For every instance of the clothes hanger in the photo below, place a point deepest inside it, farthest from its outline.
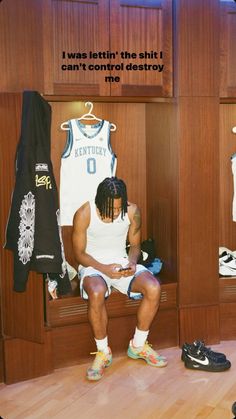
(89, 116)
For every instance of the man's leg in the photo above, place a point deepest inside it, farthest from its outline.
(96, 288)
(148, 285)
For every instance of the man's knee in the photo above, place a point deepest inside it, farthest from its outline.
(96, 289)
(152, 289)
(97, 294)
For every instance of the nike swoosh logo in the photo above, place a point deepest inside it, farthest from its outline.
(200, 361)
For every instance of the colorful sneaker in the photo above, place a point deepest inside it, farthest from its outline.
(102, 361)
(148, 354)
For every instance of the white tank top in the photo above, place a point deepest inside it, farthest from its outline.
(106, 241)
(86, 161)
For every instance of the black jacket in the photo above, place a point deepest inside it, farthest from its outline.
(32, 230)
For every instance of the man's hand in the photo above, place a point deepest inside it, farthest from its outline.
(132, 269)
(117, 271)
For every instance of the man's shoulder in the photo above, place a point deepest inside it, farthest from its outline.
(84, 208)
(83, 213)
(132, 209)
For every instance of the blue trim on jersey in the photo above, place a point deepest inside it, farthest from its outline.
(109, 140)
(69, 143)
(82, 128)
(113, 164)
(111, 151)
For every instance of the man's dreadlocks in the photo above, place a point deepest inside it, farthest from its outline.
(108, 190)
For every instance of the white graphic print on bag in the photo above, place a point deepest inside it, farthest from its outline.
(26, 228)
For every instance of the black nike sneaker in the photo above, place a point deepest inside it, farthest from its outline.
(198, 347)
(205, 363)
(198, 356)
(234, 409)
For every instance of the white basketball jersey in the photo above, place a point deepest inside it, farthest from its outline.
(233, 161)
(86, 161)
(106, 242)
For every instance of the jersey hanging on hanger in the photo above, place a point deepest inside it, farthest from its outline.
(87, 160)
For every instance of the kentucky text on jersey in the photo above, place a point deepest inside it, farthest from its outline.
(90, 150)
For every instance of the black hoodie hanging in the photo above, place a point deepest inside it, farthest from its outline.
(32, 230)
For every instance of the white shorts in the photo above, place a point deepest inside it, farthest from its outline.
(123, 284)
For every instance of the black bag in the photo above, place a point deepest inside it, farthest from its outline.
(147, 246)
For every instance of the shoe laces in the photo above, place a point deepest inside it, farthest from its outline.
(148, 348)
(200, 346)
(100, 358)
(204, 349)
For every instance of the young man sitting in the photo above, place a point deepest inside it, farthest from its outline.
(100, 231)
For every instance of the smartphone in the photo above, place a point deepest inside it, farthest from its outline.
(124, 269)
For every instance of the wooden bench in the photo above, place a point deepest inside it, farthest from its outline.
(71, 332)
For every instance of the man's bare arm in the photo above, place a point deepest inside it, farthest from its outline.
(134, 234)
(79, 236)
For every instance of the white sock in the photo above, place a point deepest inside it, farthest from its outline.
(140, 337)
(102, 345)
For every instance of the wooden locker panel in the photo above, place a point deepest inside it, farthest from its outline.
(227, 236)
(21, 52)
(228, 321)
(1, 361)
(130, 147)
(74, 310)
(1, 344)
(162, 166)
(198, 197)
(140, 26)
(25, 360)
(197, 48)
(75, 26)
(227, 290)
(227, 50)
(74, 343)
(199, 323)
(22, 313)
